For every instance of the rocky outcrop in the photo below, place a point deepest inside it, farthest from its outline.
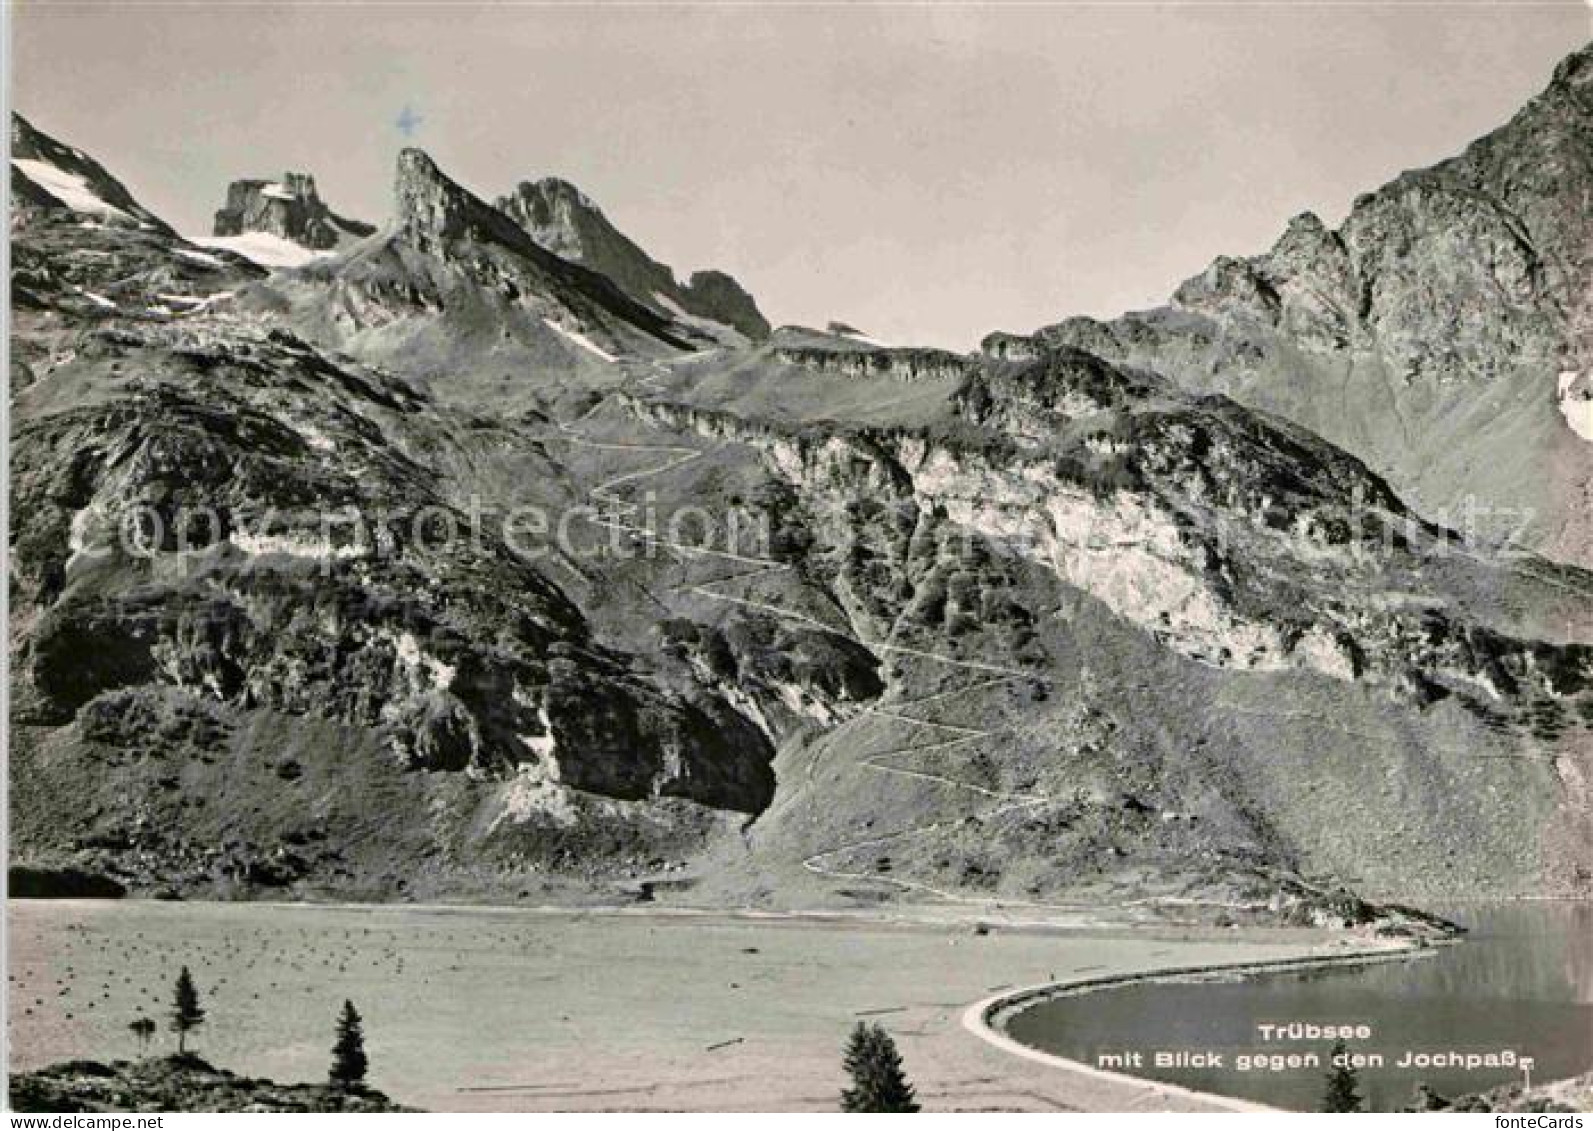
(432, 211)
(562, 219)
(1004, 346)
(289, 208)
(718, 297)
(782, 677)
(1574, 1094)
(177, 1083)
(895, 364)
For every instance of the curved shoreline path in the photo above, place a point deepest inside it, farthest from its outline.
(985, 1018)
(615, 512)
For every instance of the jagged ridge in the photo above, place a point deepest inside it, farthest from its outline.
(561, 218)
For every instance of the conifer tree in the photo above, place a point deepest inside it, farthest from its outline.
(186, 1015)
(348, 1052)
(878, 1083)
(1341, 1095)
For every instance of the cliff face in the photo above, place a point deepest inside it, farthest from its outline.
(898, 364)
(289, 208)
(1197, 520)
(1428, 334)
(562, 219)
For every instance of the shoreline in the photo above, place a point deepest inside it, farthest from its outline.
(987, 1018)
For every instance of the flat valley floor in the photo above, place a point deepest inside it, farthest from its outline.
(479, 1009)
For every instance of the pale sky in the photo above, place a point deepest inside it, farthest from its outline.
(927, 173)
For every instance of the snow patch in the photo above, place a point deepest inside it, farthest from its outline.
(859, 336)
(800, 703)
(264, 248)
(718, 331)
(580, 339)
(69, 188)
(291, 545)
(193, 304)
(1576, 401)
(670, 305)
(199, 257)
(276, 191)
(98, 300)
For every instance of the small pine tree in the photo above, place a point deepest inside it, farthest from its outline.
(1341, 1095)
(144, 1029)
(348, 1053)
(874, 1065)
(185, 1014)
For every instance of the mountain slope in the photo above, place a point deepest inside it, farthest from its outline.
(562, 219)
(95, 252)
(48, 175)
(1114, 667)
(262, 636)
(1439, 333)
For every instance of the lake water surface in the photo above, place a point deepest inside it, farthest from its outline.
(1522, 982)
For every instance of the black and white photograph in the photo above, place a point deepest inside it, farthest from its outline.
(798, 557)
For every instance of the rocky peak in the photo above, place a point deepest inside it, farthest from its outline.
(25, 140)
(718, 296)
(48, 175)
(448, 251)
(564, 220)
(1574, 75)
(429, 206)
(561, 218)
(290, 208)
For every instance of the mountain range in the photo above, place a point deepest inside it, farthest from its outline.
(1264, 604)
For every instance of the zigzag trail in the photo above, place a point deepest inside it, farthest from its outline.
(615, 513)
